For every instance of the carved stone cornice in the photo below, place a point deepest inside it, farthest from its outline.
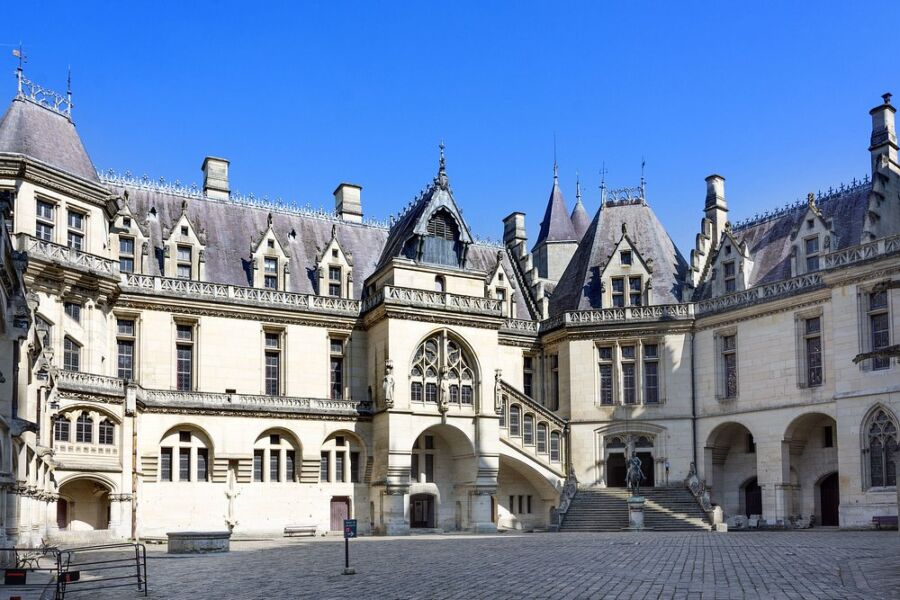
(171, 410)
(120, 497)
(19, 166)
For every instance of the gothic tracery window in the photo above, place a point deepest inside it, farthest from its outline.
(882, 438)
(436, 355)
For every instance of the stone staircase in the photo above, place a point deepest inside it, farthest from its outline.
(605, 509)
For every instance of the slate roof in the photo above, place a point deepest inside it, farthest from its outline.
(580, 219)
(769, 239)
(30, 129)
(556, 226)
(579, 286)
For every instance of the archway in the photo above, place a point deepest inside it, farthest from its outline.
(812, 452)
(730, 466)
(751, 496)
(85, 505)
(421, 511)
(829, 496)
(616, 453)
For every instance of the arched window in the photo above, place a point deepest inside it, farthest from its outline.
(882, 437)
(61, 429)
(439, 284)
(542, 438)
(515, 416)
(106, 432)
(528, 430)
(84, 429)
(184, 455)
(443, 225)
(437, 355)
(342, 459)
(554, 446)
(275, 457)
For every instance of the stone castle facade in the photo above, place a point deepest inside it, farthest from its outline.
(182, 358)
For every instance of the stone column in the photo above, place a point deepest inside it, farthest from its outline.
(480, 509)
(773, 468)
(120, 515)
(52, 507)
(393, 510)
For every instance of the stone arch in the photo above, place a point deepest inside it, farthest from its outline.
(347, 461)
(277, 456)
(627, 432)
(82, 406)
(879, 440)
(810, 451)
(207, 438)
(729, 463)
(83, 503)
(200, 449)
(517, 478)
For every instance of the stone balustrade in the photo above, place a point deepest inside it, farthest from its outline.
(444, 301)
(252, 403)
(91, 383)
(68, 257)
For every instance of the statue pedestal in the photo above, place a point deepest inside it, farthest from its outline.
(636, 513)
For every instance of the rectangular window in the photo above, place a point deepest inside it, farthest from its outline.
(729, 366)
(71, 355)
(44, 225)
(258, 456)
(542, 439)
(105, 432)
(165, 464)
(528, 430)
(514, 425)
(634, 291)
(625, 257)
(270, 276)
(339, 466)
(812, 339)
(606, 376)
(324, 467)
(629, 395)
(354, 467)
(528, 503)
(45, 210)
(290, 459)
(44, 231)
(334, 281)
(337, 369)
(528, 375)
(184, 349)
(467, 397)
(415, 391)
(61, 429)
(429, 468)
(500, 294)
(651, 374)
(827, 437)
(202, 464)
(811, 246)
(84, 429)
(126, 254)
(125, 348)
(184, 268)
(272, 363)
(431, 393)
(274, 465)
(618, 292)
(73, 310)
(184, 464)
(554, 447)
(414, 468)
(879, 327)
(75, 237)
(730, 277)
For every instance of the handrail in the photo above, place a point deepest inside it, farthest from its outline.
(533, 405)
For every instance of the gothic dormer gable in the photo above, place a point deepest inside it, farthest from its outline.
(498, 285)
(184, 247)
(731, 265)
(626, 277)
(335, 269)
(812, 237)
(269, 260)
(129, 239)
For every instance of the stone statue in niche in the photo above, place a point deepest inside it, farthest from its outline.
(444, 400)
(498, 396)
(387, 384)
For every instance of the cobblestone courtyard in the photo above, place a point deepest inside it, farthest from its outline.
(812, 564)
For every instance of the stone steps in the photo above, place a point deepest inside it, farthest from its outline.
(605, 509)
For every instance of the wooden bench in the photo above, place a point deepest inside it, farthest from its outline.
(885, 520)
(292, 530)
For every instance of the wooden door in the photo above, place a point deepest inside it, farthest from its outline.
(830, 500)
(753, 498)
(340, 510)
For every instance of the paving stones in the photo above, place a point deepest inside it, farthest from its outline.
(690, 565)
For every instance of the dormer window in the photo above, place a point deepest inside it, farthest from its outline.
(618, 292)
(811, 246)
(270, 277)
(184, 230)
(184, 266)
(500, 276)
(810, 223)
(634, 291)
(500, 294)
(126, 221)
(126, 254)
(625, 257)
(334, 281)
(334, 253)
(729, 276)
(443, 226)
(271, 244)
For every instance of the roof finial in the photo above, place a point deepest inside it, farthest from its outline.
(442, 168)
(603, 184)
(811, 200)
(20, 54)
(69, 86)
(886, 97)
(577, 187)
(643, 181)
(555, 166)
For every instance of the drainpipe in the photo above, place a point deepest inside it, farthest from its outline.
(694, 405)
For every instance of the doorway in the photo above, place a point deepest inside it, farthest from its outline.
(615, 470)
(752, 498)
(421, 511)
(340, 510)
(830, 500)
(647, 469)
(62, 513)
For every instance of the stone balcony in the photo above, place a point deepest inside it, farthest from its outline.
(425, 299)
(218, 292)
(166, 400)
(628, 314)
(89, 383)
(70, 258)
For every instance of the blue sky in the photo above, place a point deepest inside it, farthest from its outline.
(774, 96)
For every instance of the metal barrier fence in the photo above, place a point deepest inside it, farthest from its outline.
(103, 567)
(28, 571)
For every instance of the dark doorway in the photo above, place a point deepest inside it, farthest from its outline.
(62, 513)
(340, 510)
(752, 498)
(615, 470)
(647, 469)
(421, 511)
(830, 500)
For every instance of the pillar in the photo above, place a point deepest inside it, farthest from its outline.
(393, 510)
(480, 509)
(773, 473)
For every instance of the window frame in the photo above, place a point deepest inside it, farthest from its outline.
(189, 345)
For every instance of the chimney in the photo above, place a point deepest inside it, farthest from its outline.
(215, 178)
(716, 207)
(347, 202)
(884, 136)
(514, 229)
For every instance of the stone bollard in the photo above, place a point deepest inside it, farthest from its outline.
(636, 513)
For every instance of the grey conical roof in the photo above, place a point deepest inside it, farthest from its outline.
(579, 286)
(556, 226)
(580, 219)
(42, 134)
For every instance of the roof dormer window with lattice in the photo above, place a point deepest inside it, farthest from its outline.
(626, 276)
(184, 248)
(335, 269)
(731, 266)
(270, 262)
(812, 238)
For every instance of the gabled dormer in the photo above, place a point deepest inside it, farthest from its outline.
(129, 239)
(269, 261)
(812, 238)
(731, 265)
(626, 276)
(335, 269)
(499, 287)
(183, 249)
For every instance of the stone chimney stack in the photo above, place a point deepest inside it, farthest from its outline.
(716, 207)
(215, 178)
(347, 202)
(514, 229)
(884, 135)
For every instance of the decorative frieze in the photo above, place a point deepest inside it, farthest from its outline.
(249, 403)
(90, 383)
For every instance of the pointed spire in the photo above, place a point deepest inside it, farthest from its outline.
(603, 184)
(557, 225)
(555, 164)
(442, 179)
(580, 219)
